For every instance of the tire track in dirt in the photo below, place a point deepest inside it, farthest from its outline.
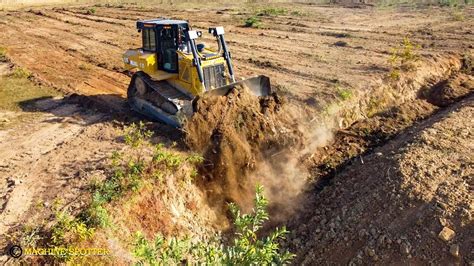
(23, 154)
(106, 82)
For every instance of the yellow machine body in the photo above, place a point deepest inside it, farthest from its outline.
(186, 79)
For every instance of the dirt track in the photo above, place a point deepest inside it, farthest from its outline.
(47, 156)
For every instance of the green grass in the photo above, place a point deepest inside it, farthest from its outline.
(344, 94)
(3, 54)
(457, 15)
(91, 11)
(274, 11)
(17, 88)
(19, 72)
(252, 22)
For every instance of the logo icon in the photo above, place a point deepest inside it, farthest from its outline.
(15, 251)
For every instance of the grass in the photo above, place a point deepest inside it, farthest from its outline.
(69, 229)
(443, 3)
(91, 11)
(344, 94)
(457, 15)
(403, 57)
(84, 67)
(253, 22)
(19, 72)
(336, 34)
(3, 54)
(298, 13)
(17, 88)
(273, 11)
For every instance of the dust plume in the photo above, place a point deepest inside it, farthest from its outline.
(247, 140)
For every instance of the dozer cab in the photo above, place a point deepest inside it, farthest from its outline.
(170, 71)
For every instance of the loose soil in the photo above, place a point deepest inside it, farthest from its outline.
(236, 133)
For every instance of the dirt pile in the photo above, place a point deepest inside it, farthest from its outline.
(448, 91)
(238, 135)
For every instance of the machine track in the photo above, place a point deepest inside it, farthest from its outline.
(158, 99)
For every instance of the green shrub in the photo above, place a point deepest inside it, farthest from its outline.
(90, 11)
(135, 135)
(457, 16)
(69, 229)
(3, 54)
(252, 22)
(450, 3)
(246, 249)
(169, 158)
(344, 94)
(297, 13)
(19, 72)
(272, 12)
(403, 57)
(394, 74)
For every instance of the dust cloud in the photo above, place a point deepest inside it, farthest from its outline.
(247, 140)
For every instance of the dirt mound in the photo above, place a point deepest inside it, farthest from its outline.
(448, 91)
(236, 133)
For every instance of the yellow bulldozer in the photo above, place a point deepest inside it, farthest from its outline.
(170, 71)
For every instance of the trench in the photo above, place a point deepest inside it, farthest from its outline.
(359, 140)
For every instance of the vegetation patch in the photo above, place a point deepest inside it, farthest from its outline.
(336, 34)
(19, 72)
(245, 249)
(403, 57)
(91, 11)
(17, 88)
(253, 22)
(274, 11)
(3, 54)
(344, 93)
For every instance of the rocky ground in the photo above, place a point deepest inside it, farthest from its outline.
(409, 201)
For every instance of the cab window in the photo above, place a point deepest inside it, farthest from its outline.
(148, 36)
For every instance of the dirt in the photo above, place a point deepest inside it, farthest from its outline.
(361, 167)
(235, 133)
(390, 205)
(448, 91)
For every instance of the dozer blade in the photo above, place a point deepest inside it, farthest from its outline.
(259, 86)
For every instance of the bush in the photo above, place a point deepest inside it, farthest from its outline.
(272, 12)
(3, 54)
(246, 249)
(20, 73)
(402, 57)
(90, 11)
(135, 135)
(252, 22)
(344, 94)
(69, 229)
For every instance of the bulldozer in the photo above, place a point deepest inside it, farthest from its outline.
(171, 71)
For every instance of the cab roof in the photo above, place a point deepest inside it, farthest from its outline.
(159, 21)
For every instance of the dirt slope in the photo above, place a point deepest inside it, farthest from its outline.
(390, 206)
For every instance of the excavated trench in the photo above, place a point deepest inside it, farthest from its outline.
(354, 142)
(247, 140)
